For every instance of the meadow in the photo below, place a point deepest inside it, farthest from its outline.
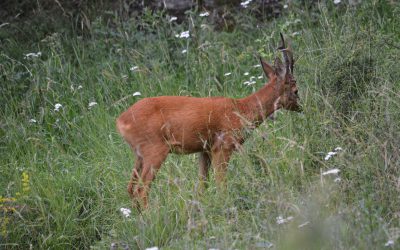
(328, 178)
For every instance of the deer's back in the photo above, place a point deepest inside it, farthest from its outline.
(187, 124)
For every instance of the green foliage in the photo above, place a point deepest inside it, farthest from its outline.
(70, 167)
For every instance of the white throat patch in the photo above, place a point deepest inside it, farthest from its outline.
(276, 107)
(276, 103)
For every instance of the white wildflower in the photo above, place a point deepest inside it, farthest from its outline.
(296, 33)
(336, 1)
(184, 34)
(264, 244)
(285, 6)
(228, 74)
(249, 83)
(133, 68)
(281, 220)
(246, 73)
(338, 149)
(79, 87)
(389, 243)
(137, 93)
(125, 211)
(206, 13)
(337, 179)
(260, 77)
(331, 171)
(57, 107)
(32, 120)
(152, 248)
(303, 224)
(329, 155)
(4, 24)
(245, 3)
(173, 18)
(184, 51)
(30, 55)
(92, 104)
(335, 152)
(256, 66)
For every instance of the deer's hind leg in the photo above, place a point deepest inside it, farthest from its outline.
(153, 156)
(134, 180)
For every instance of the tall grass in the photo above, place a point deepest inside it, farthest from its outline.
(78, 166)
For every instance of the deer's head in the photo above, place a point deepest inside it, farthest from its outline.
(282, 75)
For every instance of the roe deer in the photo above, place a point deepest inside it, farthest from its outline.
(212, 126)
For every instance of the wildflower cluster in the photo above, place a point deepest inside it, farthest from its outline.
(332, 153)
(25, 183)
(184, 34)
(57, 107)
(152, 248)
(251, 81)
(245, 3)
(203, 14)
(126, 212)
(8, 205)
(92, 104)
(281, 220)
(32, 55)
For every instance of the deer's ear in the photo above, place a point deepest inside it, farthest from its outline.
(280, 69)
(268, 70)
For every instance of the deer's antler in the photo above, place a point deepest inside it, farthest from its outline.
(287, 55)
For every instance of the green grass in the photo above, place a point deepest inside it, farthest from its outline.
(78, 166)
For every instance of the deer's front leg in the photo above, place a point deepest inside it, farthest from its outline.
(204, 162)
(220, 160)
(224, 145)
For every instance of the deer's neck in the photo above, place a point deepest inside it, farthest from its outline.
(261, 104)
